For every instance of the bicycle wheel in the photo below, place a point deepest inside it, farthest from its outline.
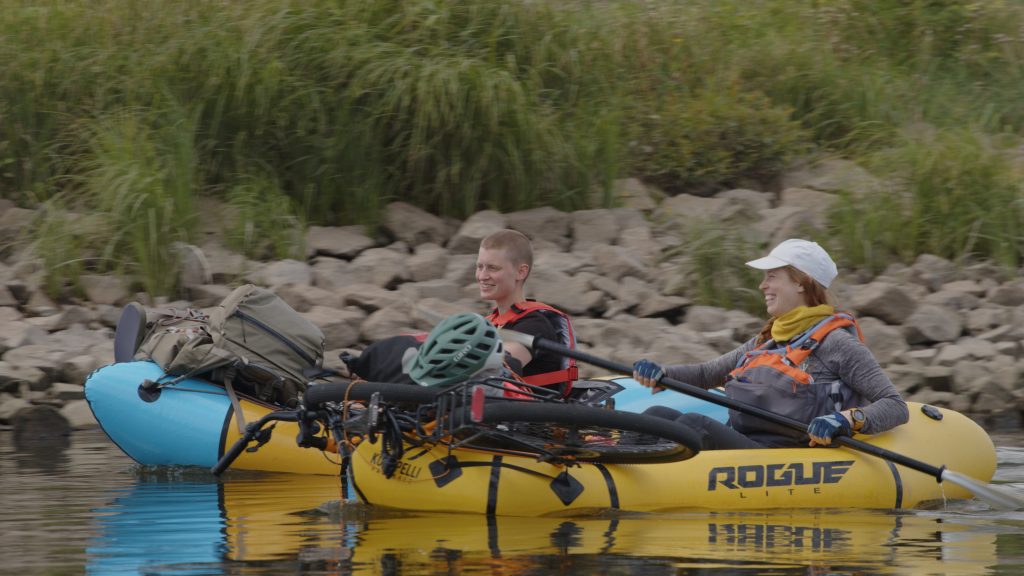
(587, 433)
(319, 394)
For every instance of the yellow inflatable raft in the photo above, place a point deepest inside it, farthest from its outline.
(460, 480)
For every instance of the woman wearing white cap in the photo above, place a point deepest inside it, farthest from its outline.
(808, 363)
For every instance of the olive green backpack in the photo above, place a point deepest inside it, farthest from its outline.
(253, 341)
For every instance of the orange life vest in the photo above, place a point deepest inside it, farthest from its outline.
(563, 327)
(774, 377)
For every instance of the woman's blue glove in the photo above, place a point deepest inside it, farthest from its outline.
(824, 428)
(648, 373)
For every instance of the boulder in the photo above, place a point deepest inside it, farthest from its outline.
(930, 323)
(413, 225)
(544, 224)
(474, 229)
(338, 242)
(887, 302)
(428, 262)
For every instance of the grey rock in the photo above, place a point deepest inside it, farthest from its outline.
(194, 267)
(671, 307)
(387, 322)
(79, 415)
(78, 368)
(369, 297)
(591, 228)
(40, 427)
(461, 269)
(281, 273)
(618, 262)
(750, 203)
(338, 242)
(953, 299)
(413, 225)
(210, 295)
(544, 224)
(64, 391)
(930, 323)
(885, 342)
(887, 302)
(816, 202)
(340, 326)
(226, 266)
(428, 262)
(907, 379)
(938, 377)
(700, 209)
(780, 223)
(68, 316)
(20, 333)
(833, 175)
(933, 271)
(1008, 294)
(987, 318)
(440, 288)
(379, 266)
(104, 289)
(474, 229)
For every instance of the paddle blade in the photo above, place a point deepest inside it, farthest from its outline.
(996, 497)
(131, 328)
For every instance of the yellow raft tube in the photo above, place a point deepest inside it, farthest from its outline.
(462, 480)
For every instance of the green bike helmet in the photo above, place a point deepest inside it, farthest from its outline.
(458, 348)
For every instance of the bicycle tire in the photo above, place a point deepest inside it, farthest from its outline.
(595, 434)
(590, 434)
(319, 394)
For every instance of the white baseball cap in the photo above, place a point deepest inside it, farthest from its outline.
(804, 255)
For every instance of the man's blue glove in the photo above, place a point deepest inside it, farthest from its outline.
(824, 428)
(648, 373)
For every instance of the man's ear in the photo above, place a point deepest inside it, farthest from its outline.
(522, 272)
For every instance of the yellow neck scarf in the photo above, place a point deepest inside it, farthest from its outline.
(798, 320)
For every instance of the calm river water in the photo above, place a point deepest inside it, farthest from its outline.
(90, 510)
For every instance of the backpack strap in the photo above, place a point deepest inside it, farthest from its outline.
(796, 351)
(229, 378)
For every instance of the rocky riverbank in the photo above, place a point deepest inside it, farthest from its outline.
(946, 334)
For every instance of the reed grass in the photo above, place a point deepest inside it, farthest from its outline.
(346, 105)
(955, 194)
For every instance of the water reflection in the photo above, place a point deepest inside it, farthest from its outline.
(170, 525)
(284, 522)
(90, 510)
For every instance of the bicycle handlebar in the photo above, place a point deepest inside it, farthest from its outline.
(251, 430)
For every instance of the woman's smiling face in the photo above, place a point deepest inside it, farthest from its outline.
(781, 292)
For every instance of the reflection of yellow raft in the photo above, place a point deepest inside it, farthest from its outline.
(472, 481)
(260, 513)
(847, 541)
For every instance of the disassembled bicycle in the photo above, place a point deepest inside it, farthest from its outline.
(479, 414)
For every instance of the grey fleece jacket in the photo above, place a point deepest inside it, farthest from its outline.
(839, 356)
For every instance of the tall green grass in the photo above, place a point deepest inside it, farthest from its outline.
(955, 194)
(345, 105)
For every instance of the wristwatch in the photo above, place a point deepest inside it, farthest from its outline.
(857, 415)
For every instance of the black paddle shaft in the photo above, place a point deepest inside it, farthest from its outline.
(698, 392)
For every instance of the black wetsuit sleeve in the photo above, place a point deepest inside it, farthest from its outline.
(535, 324)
